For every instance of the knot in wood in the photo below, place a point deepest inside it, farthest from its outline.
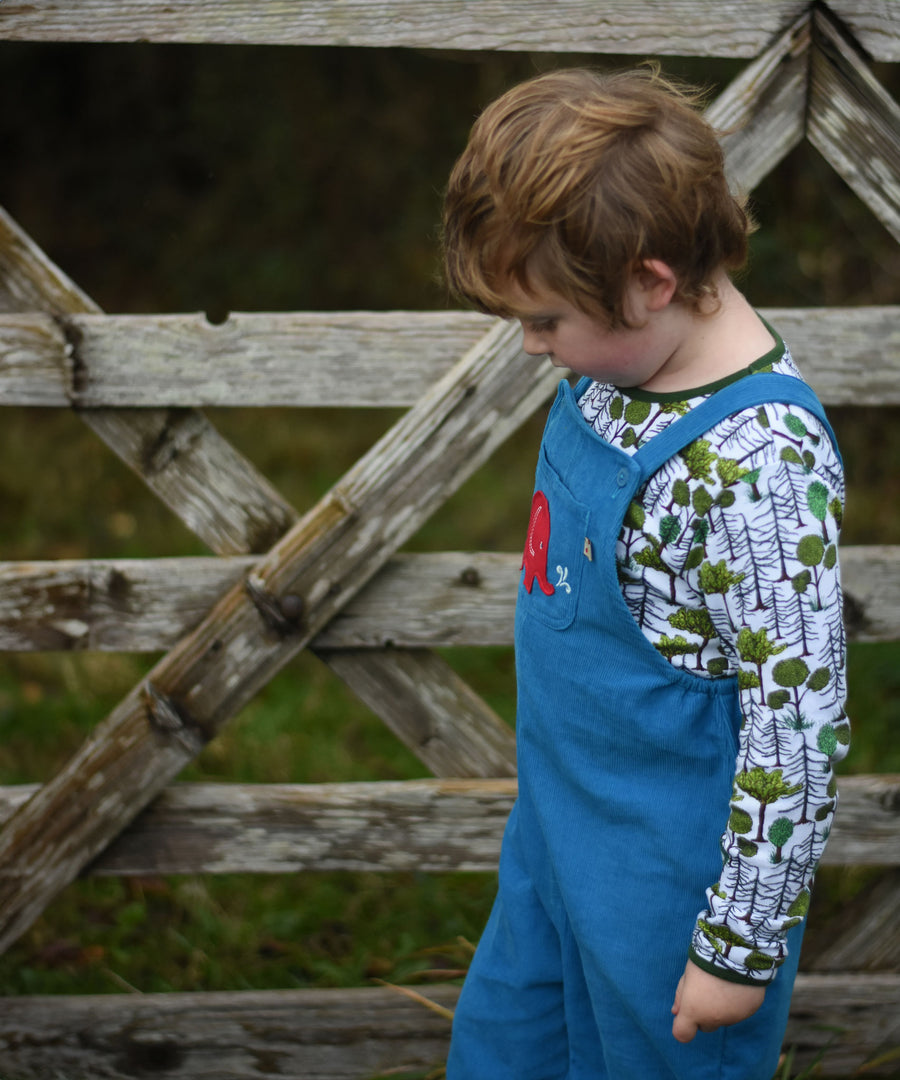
(855, 618)
(470, 576)
(152, 1051)
(890, 800)
(284, 614)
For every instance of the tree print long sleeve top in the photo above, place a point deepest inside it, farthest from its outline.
(728, 562)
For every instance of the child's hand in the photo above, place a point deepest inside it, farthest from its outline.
(706, 1002)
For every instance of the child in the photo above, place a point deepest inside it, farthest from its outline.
(679, 641)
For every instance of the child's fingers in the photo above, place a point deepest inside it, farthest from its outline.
(683, 1028)
(676, 1005)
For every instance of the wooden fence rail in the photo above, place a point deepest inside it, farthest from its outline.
(417, 601)
(431, 825)
(347, 1034)
(332, 580)
(733, 28)
(372, 359)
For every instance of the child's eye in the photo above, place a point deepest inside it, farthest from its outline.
(542, 326)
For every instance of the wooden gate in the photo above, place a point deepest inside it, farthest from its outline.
(331, 580)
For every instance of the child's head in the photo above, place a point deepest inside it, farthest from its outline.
(572, 179)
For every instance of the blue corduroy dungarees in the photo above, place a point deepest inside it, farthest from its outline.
(626, 766)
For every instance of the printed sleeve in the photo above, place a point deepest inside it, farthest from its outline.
(770, 579)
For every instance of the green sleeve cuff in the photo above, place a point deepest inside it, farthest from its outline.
(726, 974)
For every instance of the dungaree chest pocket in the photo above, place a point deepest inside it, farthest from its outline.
(556, 550)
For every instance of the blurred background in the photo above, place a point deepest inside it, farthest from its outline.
(226, 178)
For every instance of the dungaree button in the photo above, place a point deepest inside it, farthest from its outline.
(622, 477)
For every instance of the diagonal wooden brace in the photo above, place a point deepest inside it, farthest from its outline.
(221, 497)
(853, 121)
(761, 114)
(324, 559)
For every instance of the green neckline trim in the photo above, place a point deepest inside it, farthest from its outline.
(765, 361)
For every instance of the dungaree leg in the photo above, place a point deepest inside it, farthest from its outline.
(510, 1021)
(586, 1051)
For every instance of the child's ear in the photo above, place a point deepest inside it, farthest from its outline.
(657, 283)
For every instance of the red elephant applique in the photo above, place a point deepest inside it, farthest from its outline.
(536, 543)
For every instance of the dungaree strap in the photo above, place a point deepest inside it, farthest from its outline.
(737, 396)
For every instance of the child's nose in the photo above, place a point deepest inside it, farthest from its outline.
(533, 343)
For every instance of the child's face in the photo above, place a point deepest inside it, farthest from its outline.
(585, 344)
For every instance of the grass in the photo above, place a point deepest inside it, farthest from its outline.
(237, 932)
(234, 931)
(73, 499)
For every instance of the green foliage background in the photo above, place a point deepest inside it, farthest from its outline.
(182, 178)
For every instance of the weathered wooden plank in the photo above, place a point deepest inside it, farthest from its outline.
(433, 825)
(850, 355)
(735, 28)
(854, 122)
(33, 369)
(871, 585)
(430, 825)
(147, 605)
(425, 703)
(260, 624)
(854, 1019)
(866, 828)
(301, 1034)
(117, 605)
(762, 113)
(417, 601)
(434, 599)
(352, 358)
(875, 25)
(348, 1034)
(180, 455)
(865, 935)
